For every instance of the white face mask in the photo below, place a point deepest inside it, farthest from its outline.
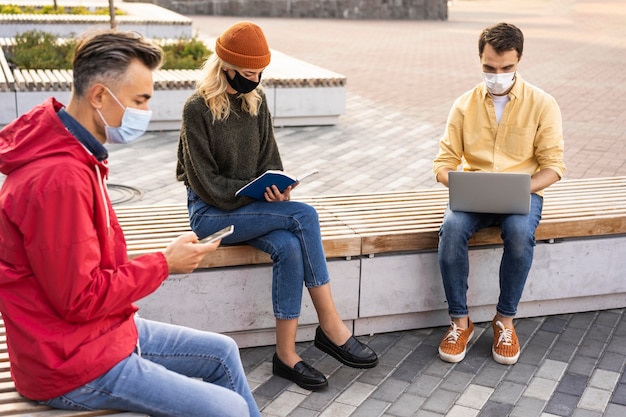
(134, 124)
(498, 83)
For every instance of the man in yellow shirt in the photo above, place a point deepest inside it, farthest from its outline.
(504, 124)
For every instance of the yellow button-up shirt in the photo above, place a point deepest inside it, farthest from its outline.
(528, 138)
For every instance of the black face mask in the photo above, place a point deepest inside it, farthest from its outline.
(241, 84)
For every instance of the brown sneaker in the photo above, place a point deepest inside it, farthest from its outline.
(505, 348)
(454, 344)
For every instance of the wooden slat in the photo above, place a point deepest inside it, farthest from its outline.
(397, 221)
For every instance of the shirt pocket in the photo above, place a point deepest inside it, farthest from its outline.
(520, 142)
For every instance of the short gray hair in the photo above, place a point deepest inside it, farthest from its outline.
(106, 55)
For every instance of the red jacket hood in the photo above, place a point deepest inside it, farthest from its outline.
(39, 134)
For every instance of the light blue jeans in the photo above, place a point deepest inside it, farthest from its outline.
(288, 231)
(176, 371)
(518, 236)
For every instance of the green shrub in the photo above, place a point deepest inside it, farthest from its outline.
(40, 50)
(49, 9)
(185, 53)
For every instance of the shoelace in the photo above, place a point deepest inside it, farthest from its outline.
(506, 335)
(454, 333)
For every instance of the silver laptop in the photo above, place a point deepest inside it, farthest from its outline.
(489, 192)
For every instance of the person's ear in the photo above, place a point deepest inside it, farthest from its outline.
(95, 95)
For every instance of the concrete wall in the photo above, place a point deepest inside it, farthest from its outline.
(397, 291)
(340, 9)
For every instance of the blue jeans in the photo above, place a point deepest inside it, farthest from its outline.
(175, 371)
(288, 231)
(518, 236)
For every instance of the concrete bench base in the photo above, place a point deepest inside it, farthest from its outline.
(395, 292)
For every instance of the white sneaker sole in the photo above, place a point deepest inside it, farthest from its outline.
(446, 357)
(504, 360)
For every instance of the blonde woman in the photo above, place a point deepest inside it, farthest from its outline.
(226, 140)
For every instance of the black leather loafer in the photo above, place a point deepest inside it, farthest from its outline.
(352, 353)
(303, 374)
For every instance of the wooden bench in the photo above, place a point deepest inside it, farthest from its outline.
(13, 404)
(377, 223)
(381, 249)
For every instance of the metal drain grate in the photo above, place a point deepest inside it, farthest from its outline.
(120, 194)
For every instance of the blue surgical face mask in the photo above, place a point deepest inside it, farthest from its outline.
(134, 124)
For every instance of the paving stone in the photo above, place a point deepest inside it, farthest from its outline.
(619, 395)
(495, 409)
(521, 373)
(586, 413)
(507, 392)
(371, 408)
(583, 365)
(603, 379)
(554, 324)
(540, 388)
(475, 396)
(573, 384)
(490, 375)
(562, 404)
(406, 405)
(612, 361)
(594, 399)
(552, 369)
(390, 389)
(461, 411)
(528, 407)
(440, 401)
(424, 385)
(615, 410)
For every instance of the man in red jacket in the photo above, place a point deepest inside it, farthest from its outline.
(67, 287)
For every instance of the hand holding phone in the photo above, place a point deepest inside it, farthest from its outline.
(220, 234)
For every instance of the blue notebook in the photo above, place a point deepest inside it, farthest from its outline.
(256, 187)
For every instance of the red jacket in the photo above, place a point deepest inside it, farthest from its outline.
(66, 285)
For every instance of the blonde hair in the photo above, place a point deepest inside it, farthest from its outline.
(212, 88)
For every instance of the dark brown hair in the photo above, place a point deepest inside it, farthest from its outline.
(104, 56)
(502, 37)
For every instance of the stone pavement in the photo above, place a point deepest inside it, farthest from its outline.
(402, 79)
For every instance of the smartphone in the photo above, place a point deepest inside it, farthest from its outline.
(220, 234)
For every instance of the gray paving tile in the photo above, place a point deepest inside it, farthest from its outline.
(491, 375)
(615, 410)
(440, 401)
(583, 365)
(406, 405)
(528, 407)
(562, 404)
(371, 408)
(619, 395)
(389, 390)
(581, 412)
(495, 409)
(612, 361)
(456, 381)
(507, 392)
(521, 373)
(573, 384)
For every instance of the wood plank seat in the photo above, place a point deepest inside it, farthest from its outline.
(13, 404)
(374, 223)
(409, 221)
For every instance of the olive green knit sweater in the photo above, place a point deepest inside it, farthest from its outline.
(217, 158)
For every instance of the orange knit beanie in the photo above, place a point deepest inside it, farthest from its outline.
(243, 45)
